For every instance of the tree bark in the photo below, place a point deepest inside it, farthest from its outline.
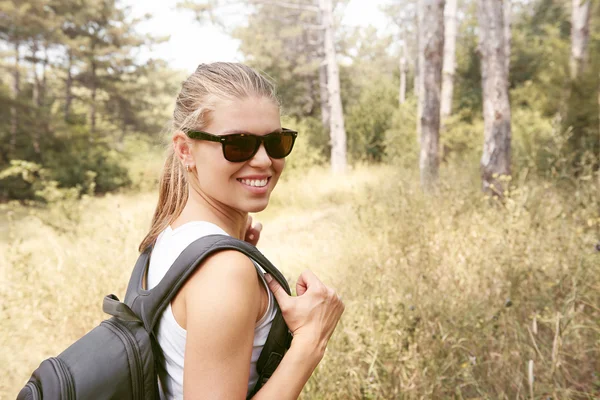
(507, 10)
(336, 126)
(431, 48)
(93, 103)
(403, 71)
(324, 94)
(450, 27)
(37, 99)
(580, 33)
(16, 89)
(495, 160)
(69, 85)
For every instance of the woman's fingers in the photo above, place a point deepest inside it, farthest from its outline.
(252, 232)
(283, 299)
(307, 280)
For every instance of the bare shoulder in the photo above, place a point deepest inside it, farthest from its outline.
(229, 266)
(228, 273)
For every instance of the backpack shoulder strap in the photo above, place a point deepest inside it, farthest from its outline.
(149, 304)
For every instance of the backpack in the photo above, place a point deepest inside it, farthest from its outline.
(118, 359)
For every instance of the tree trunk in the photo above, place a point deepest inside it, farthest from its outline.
(431, 49)
(507, 10)
(403, 70)
(37, 100)
(418, 83)
(93, 103)
(495, 160)
(69, 86)
(580, 33)
(14, 115)
(324, 94)
(450, 26)
(336, 126)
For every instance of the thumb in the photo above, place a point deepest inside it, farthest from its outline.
(280, 294)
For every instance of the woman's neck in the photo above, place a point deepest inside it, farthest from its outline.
(200, 207)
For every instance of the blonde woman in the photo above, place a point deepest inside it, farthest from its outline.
(228, 152)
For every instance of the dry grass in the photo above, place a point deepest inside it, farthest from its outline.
(447, 296)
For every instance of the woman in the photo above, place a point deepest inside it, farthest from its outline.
(227, 154)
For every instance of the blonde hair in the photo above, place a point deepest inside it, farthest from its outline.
(199, 95)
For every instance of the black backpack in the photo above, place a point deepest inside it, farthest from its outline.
(118, 358)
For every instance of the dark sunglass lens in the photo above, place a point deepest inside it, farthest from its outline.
(279, 145)
(240, 147)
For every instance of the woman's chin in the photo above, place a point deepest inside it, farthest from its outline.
(257, 206)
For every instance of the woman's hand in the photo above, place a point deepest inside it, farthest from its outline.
(313, 314)
(252, 232)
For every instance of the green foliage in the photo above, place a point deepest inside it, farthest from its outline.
(285, 51)
(71, 160)
(368, 118)
(401, 145)
(308, 148)
(461, 137)
(72, 90)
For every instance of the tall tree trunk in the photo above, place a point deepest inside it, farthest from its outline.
(495, 160)
(324, 95)
(507, 10)
(14, 114)
(336, 126)
(69, 85)
(403, 71)
(580, 33)
(37, 99)
(431, 49)
(93, 103)
(576, 88)
(450, 27)
(418, 82)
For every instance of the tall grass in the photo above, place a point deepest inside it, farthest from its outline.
(450, 295)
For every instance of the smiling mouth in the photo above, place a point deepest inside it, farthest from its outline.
(255, 182)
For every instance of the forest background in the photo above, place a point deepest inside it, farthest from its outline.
(451, 291)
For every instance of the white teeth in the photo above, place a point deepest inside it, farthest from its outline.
(255, 182)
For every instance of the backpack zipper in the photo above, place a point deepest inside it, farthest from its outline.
(131, 342)
(64, 377)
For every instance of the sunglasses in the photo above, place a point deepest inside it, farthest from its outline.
(239, 147)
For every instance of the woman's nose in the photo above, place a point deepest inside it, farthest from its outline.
(261, 158)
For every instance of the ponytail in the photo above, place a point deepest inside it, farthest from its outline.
(173, 194)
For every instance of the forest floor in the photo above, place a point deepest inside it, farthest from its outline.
(447, 296)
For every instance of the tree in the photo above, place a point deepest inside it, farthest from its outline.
(403, 72)
(580, 34)
(337, 130)
(495, 160)
(450, 27)
(309, 48)
(404, 15)
(431, 48)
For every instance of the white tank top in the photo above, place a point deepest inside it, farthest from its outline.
(169, 334)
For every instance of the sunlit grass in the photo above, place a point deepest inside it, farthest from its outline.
(447, 296)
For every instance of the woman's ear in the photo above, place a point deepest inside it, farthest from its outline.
(182, 149)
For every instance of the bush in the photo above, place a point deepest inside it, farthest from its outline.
(400, 140)
(70, 159)
(367, 121)
(308, 148)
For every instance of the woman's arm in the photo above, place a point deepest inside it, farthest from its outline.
(312, 317)
(222, 302)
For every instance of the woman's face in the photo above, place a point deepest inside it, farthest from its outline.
(240, 185)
